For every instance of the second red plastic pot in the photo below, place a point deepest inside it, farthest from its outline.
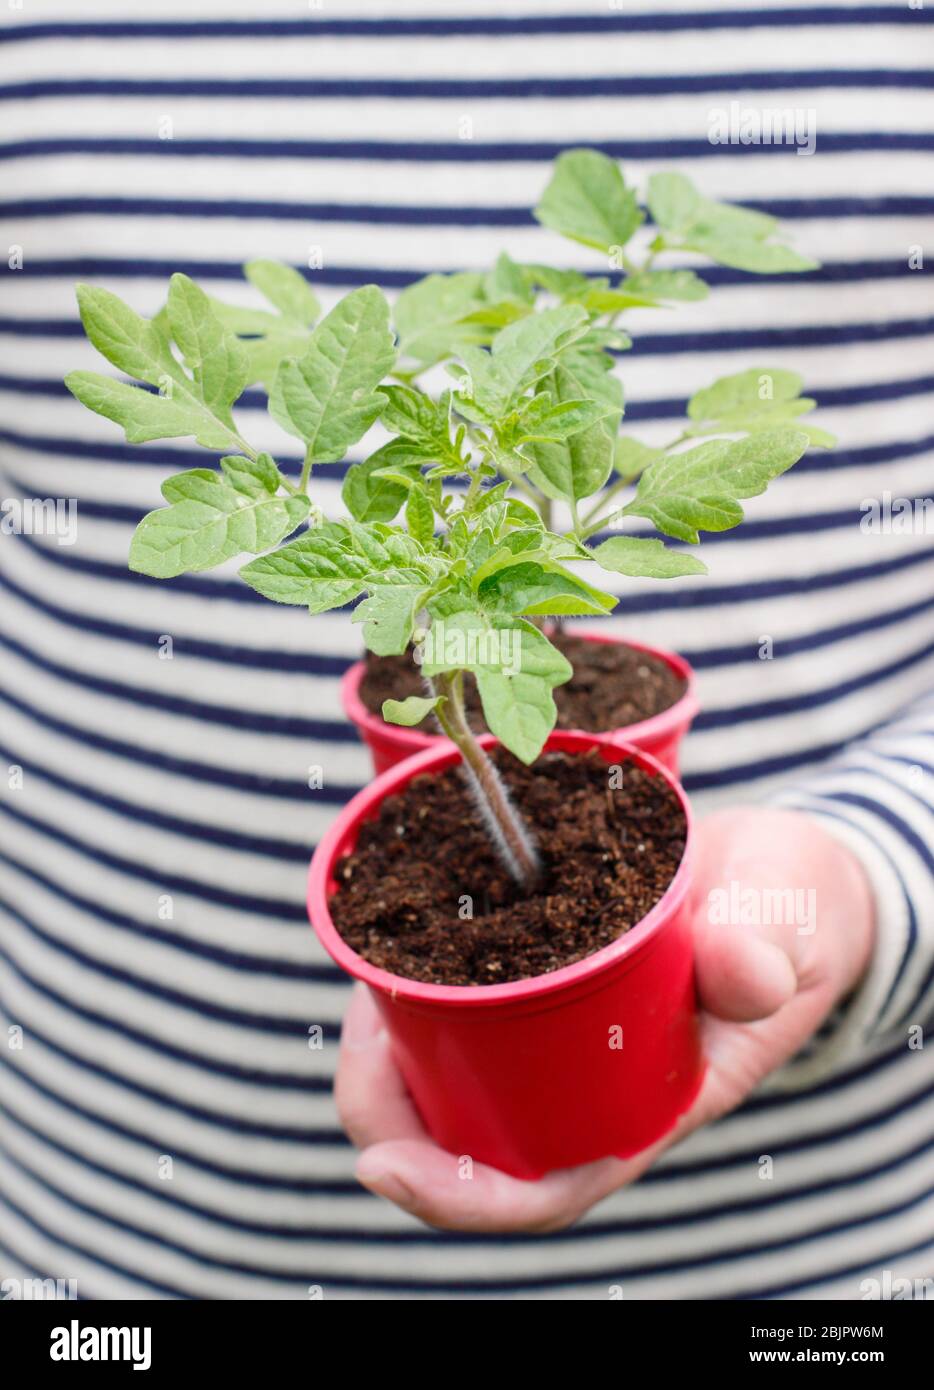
(599, 1058)
(660, 735)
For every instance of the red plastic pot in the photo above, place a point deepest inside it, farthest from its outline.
(661, 735)
(525, 1076)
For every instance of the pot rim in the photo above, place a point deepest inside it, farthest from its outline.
(415, 740)
(439, 757)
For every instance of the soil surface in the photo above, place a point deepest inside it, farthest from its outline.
(613, 685)
(608, 853)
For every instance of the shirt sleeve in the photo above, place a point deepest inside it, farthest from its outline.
(877, 798)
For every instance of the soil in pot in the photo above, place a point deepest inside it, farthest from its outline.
(613, 686)
(425, 863)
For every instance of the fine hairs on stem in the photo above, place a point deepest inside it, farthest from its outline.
(508, 832)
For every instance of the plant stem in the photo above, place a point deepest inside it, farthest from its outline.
(508, 832)
(306, 472)
(472, 491)
(591, 527)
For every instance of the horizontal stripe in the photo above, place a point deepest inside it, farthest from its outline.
(646, 345)
(308, 1186)
(268, 660)
(161, 1048)
(672, 1172)
(736, 1254)
(466, 89)
(153, 1285)
(201, 1006)
(295, 789)
(826, 803)
(172, 457)
(282, 910)
(708, 595)
(131, 516)
(733, 715)
(239, 960)
(404, 214)
(538, 151)
(332, 731)
(361, 1235)
(666, 408)
(92, 267)
(447, 26)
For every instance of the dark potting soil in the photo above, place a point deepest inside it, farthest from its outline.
(608, 853)
(613, 685)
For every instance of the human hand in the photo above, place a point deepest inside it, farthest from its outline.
(763, 991)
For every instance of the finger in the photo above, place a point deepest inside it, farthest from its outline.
(371, 1097)
(440, 1189)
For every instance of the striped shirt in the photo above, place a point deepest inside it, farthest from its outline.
(166, 1128)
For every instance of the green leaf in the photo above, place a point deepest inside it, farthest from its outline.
(514, 549)
(508, 281)
(758, 257)
(566, 284)
(516, 669)
(208, 522)
(350, 554)
(649, 559)
(587, 200)
(266, 338)
(609, 301)
(420, 517)
(518, 706)
(520, 356)
(673, 201)
(417, 418)
(146, 416)
(763, 398)
(176, 488)
(137, 346)
(265, 355)
(698, 489)
(368, 494)
(547, 419)
(327, 397)
(578, 467)
(285, 288)
(414, 414)
(140, 347)
(212, 355)
(631, 457)
(821, 439)
(330, 594)
(410, 711)
(540, 591)
(752, 401)
(666, 284)
(733, 236)
(388, 616)
(253, 477)
(429, 316)
(751, 392)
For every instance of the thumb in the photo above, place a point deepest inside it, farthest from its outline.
(743, 973)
